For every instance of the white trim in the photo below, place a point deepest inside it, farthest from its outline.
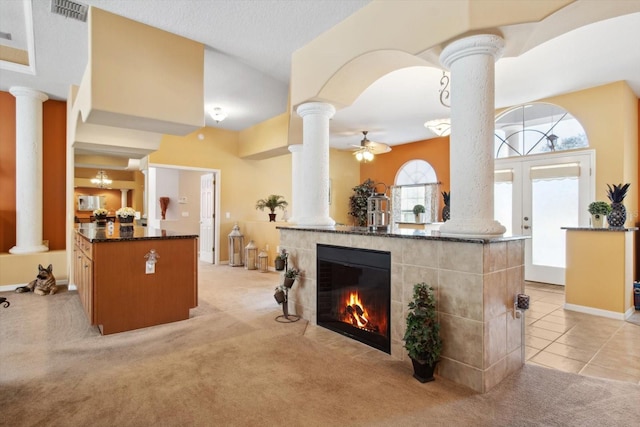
(600, 312)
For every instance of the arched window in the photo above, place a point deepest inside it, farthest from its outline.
(415, 184)
(535, 129)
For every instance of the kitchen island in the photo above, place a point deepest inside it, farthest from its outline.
(120, 290)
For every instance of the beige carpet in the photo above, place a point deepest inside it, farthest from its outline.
(232, 364)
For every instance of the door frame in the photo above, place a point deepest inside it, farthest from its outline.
(524, 163)
(217, 177)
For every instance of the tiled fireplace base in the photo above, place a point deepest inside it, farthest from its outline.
(476, 281)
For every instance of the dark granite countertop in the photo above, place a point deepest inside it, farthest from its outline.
(96, 234)
(600, 229)
(403, 233)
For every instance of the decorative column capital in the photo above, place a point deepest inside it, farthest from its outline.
(25, 91)
(296, 148)
(481, 44)
(318, 108)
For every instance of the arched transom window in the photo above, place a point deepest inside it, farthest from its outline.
(535, 129)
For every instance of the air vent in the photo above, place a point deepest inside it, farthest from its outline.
(70, 9)
(6, 36)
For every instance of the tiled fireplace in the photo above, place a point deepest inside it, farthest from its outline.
(476, 281)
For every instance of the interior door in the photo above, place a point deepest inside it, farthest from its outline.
(537, 196)
(207, 216)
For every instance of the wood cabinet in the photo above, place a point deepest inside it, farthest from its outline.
(117, 293)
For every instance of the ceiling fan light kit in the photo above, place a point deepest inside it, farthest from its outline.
(368, 149)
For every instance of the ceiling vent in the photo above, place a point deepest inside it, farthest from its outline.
(70, 9)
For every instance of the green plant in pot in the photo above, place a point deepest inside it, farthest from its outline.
(422, 336)
(417, 210)
(290, 275)
(358, 201)
(616, 195)
(272, 202)
(598, 210)
(281, 260)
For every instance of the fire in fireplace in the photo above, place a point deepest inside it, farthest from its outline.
(354, 294)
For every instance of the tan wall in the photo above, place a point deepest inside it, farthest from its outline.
(266, 139)
(344, 173)
(609, 115)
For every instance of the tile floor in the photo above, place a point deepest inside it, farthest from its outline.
(576, 342)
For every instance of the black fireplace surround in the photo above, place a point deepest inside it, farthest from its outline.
(354, 294)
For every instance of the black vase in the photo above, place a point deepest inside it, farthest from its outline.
(446, 213)
(423, 371)
(618, 215)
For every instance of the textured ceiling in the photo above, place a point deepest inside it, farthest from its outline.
(248, 57)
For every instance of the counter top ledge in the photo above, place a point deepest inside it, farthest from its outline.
(97, 234)
(403, 234)
(615, 230)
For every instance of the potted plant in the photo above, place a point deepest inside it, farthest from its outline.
(101, 216)
(618, 215)
(358, 201)
(598, 211)
(272, 202)
(417, 210)
(281, 260)
(422, 336)
(290, 276)
(126, 215)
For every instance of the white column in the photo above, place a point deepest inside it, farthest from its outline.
(472, 64)
(314, 209)
(296, 181)
(123, 197)
(28, 170)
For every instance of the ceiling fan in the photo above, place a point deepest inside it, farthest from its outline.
(368, 149)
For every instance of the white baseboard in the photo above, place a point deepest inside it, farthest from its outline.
(600, 312)
(11, 288)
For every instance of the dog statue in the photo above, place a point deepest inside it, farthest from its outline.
(45, 283)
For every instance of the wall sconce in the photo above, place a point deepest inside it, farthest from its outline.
(217, 114)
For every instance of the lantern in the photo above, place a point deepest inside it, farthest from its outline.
(251, 256)
(378, 211)
(236, 247)
(263, 262)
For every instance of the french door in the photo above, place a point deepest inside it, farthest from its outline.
(537, 195)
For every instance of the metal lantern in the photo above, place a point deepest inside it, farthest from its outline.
(251, 256)
(378, 211)
(263, 262)
(236, 247)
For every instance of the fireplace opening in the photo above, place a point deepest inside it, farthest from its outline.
(354, 294)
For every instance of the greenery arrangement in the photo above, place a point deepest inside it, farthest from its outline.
(418, 209)
(358, 201)
(292, 273)
(599, 208)
(272, 202)
(422, 336)
(283, 255)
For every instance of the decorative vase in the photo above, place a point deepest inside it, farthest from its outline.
(279, 264)
(288, 282)
(125, 219)
(423, 371)
(446, 213)
(618, 215)
(101, 220)
(597, 221)
(272, 217)
(164, 204)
